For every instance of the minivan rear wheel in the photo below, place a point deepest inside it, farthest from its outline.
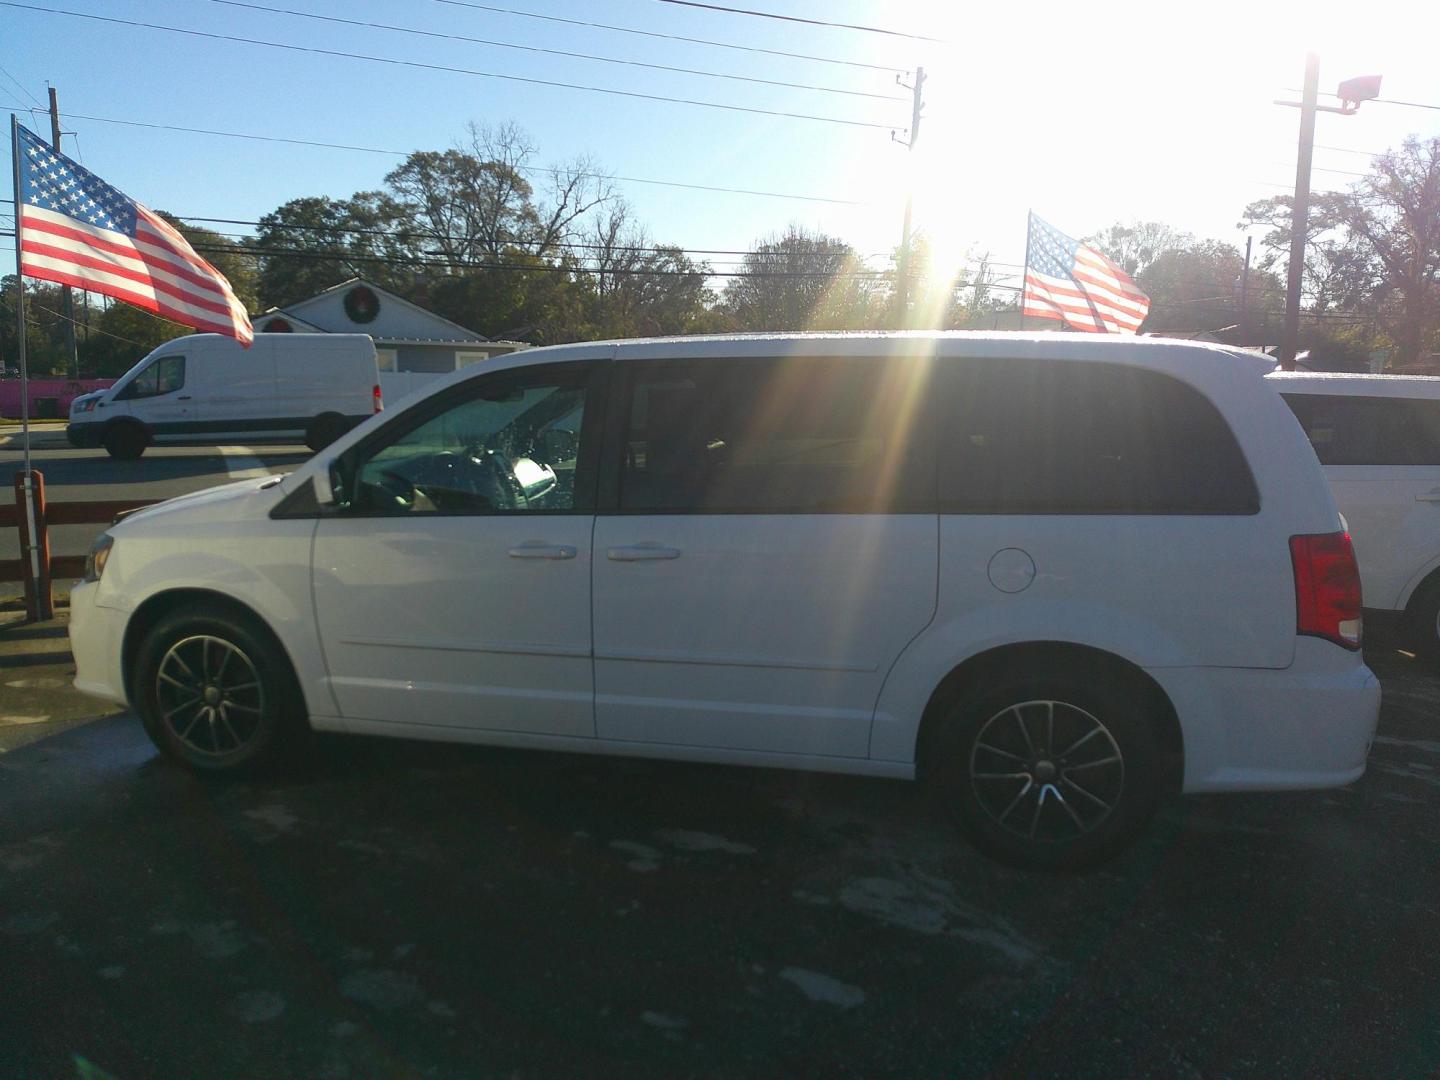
(126, 441)
(217, 694)
(1051, 771)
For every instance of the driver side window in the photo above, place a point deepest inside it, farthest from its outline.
(511, 444)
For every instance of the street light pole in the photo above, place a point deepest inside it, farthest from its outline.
(1300, 214)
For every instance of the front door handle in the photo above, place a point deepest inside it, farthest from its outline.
(640, 552)
(542, 551)
(1428, 496)
(183, 397)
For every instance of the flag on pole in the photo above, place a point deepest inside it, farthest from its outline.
(1065, 279)
(78, 230)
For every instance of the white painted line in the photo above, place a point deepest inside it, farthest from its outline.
(242, 464)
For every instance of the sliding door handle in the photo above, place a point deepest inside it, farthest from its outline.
(542, 551)
(641, 552)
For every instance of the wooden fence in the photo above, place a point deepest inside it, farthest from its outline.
(39, 596)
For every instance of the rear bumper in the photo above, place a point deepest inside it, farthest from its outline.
(1303, 727)
(96, 636)
(83, 435)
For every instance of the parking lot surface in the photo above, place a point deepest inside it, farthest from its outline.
(399, 909)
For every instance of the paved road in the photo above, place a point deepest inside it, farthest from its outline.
(75, 475)
(411, 910)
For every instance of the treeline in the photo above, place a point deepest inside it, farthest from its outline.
(489, 238)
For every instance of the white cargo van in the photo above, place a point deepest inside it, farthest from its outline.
(205, 389)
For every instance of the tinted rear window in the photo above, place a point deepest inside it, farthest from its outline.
(1044, 437)
(1369, 430)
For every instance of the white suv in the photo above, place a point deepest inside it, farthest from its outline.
(1054, 576)
(1378, 438)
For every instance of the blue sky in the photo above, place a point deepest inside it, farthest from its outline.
(1090, 116)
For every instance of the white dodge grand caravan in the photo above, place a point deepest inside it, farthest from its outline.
(1053, 576)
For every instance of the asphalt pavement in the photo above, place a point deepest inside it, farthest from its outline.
(404, 909)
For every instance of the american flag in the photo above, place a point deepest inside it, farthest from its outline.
(1065, 279)
(78, 230)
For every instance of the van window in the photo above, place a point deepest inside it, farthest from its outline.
(793, 435)
(1025, 436)
(1369, 430)
(162, 376)
(505, 443)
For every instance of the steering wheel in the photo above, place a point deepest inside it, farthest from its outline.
(399, 488)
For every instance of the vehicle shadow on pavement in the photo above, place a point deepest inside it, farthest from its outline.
(406, 908)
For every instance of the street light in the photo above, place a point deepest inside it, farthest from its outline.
(1351, 93)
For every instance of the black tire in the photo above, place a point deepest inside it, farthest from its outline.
(324, 430)
(126, 442)
(1055, 805)
(248, 713)
(1423, 619)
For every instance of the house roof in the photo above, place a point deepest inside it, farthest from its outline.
(461, 334)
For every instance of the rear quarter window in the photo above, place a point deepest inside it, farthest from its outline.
(1359, 430)
(1045, 437)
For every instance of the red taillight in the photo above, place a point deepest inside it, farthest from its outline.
(1327, 587)
(378, 403)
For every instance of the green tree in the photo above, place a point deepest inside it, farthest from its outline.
(802, 280)
(640, 288)
(528, 299)
(312, 243)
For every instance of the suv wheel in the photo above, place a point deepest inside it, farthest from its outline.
(126, 442)
(217, 694)
(1424, 619)
(1051, 772)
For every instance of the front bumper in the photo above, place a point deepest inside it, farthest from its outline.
(97, 635)
(83, 436)
(1303, 727)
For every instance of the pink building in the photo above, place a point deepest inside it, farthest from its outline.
(48, 397)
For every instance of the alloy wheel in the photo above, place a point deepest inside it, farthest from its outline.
(1047, 770)
(209, 695)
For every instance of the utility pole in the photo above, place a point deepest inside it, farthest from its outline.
(1245, 289)
(1300, 213)
(902, 284)
(67, 302)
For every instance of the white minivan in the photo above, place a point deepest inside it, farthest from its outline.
(1378, 438)
(1052, 575)
(205, 389)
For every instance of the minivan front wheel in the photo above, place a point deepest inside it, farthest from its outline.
(216, 694)
(1051, 772)
(1424, 619)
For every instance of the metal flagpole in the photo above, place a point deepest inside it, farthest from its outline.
(1024, 274)
(20, 306)
(28, 483)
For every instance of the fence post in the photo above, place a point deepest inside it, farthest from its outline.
(34, 544)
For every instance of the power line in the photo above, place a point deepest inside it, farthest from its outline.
(540, 268)
(396, 62)
(20, 86)
(406, 153)
(92, 328)
(1378, 101)
(555, 52)
(808, 22)
(673, 37)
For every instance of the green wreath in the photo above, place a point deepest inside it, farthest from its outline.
(361, 304)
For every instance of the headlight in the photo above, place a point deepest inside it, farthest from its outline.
(98, 556)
